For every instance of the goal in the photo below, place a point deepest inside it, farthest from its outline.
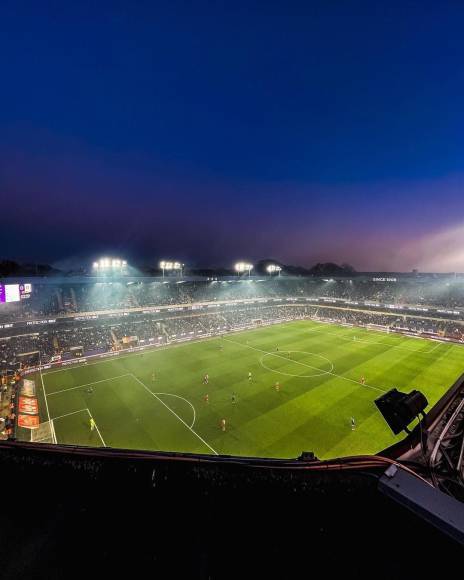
(44, 434)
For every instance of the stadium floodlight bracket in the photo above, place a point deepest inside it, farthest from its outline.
(400, 409)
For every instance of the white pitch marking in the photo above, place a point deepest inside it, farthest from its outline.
(321, 372)
(305, 365)
(96, 427)
(89, 384)
(433, 348)
(68, 414)
(53, 432)
(40, 440)
(148, 351)
(175, 414)
(52, 428)
(386, 344)
(182, 399)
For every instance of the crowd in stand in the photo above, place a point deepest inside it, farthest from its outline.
(416, 324)
(7, 406)
(64, 338)
(52, 300)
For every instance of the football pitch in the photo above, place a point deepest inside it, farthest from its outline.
(318, 367)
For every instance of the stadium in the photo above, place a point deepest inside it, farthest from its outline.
(231, 290)
(271, 385)
(159, 364)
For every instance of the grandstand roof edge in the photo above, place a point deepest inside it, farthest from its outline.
(107, 279)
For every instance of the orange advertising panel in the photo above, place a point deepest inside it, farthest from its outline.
(28, 405)
(28, 421)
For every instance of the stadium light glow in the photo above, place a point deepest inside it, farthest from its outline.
(273, 268)
(241, 267)
(170, 266)
(107, 265)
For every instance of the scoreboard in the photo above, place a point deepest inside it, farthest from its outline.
(14, 292)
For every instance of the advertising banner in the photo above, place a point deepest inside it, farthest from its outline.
(28, 388)
(28, 405)
(28, 421)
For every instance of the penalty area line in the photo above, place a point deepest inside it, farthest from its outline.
(86, 410)
(182, 399)
(89, 384)
(96, 427)
(68, 414)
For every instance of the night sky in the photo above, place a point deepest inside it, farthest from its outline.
(215, 131)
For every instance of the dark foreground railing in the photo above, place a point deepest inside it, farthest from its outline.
(79, 511)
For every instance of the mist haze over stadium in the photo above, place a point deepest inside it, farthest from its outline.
(231, 288)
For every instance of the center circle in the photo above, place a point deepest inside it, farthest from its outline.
(313, 370)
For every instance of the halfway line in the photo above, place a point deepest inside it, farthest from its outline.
(305, 365)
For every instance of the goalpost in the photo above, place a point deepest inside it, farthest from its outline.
(45, 433)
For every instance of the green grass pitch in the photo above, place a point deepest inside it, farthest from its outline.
(318, 366)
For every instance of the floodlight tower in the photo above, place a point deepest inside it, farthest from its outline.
(177, 266)
(273, 268)
(241, 267)
(170, 266)
(109, 266)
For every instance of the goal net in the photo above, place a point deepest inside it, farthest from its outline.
(45, 433)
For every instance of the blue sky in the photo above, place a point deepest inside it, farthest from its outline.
(210, 131)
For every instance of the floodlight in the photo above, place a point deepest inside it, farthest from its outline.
(165, 265)
(241, 267)
(109, 264)
(272, 268)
